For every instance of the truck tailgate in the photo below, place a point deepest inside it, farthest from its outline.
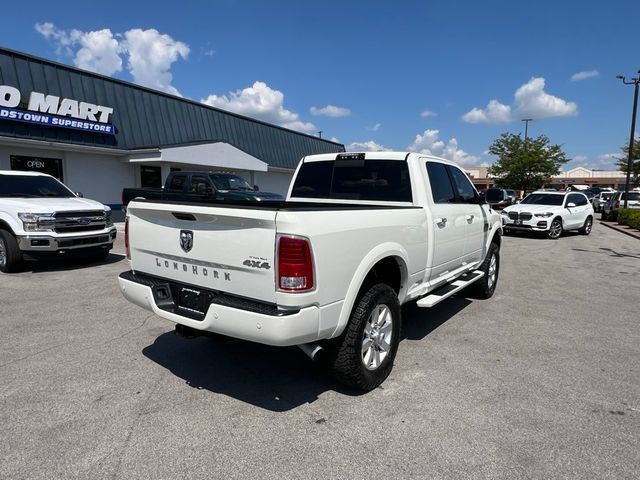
(227, 249)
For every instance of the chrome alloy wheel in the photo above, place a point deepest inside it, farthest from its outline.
(3, 253)
(555, 229)
(376, 339)
(493, 271)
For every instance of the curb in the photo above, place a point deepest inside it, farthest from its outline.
(622, 229)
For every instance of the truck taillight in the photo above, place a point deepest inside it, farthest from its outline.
(295, 264)
(617, 205)
(126, 238)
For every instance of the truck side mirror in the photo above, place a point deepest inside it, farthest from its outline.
(256, 188)
(79, 194)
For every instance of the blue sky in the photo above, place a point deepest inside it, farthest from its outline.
(370, 74)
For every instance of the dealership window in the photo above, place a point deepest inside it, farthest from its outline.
(150, 177)
(50, 166)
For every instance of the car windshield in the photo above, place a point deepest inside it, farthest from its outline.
(32, 186)
(230, 182)
(544, 199)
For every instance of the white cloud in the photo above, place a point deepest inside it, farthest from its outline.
(430, 143)
(374, 128)
(576, 77)
(495, 112)
(262, 102)
(369, 146)
(150, 54)
(428, 113)
(580, 158)
(99, 52)
(530, 100)
(330, 111)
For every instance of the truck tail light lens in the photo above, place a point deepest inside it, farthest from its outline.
(126, 238)
(617, 205)
(295, 264)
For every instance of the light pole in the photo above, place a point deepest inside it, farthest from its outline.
(526, 131)
(635, 82)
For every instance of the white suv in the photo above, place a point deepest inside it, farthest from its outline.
(551, 213)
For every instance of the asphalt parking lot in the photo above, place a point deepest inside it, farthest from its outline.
(541, 381)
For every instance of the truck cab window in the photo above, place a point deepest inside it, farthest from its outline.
(199, 184)
(464, 188)
(441, 187)
(177, 183)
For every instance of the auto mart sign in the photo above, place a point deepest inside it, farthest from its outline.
(51, 110)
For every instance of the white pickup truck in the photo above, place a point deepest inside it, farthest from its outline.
(40, 217)
(326, 269)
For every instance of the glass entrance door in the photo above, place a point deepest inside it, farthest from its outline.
(50, 166)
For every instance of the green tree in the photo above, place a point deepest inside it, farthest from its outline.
(525, 169)
(635, 161)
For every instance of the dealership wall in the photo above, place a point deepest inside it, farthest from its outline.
(99, 177)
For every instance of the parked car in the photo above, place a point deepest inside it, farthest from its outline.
(186, 186)
(550, 213)
(499, 198)
(40, 217)
(600, 199)
(358, 235)
(597, 190)
(577, 187)
(617, 201)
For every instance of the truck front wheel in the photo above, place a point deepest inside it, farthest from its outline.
(484, 288)
(362, 357)
(10, 256)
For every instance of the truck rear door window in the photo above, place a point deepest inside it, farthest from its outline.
(177, 183)
(382, 180)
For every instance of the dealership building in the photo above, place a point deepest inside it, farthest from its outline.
(576, 176)
(98, 134)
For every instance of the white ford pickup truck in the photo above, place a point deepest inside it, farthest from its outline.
(40, 217)
(326, 269)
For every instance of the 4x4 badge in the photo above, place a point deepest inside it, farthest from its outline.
(186, 240)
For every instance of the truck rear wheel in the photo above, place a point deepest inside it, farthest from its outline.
(362, 357)
(10, 256)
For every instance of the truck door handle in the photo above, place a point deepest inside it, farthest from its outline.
(441, 222)
(469, 218)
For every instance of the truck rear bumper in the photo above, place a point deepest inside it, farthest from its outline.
(301, 326)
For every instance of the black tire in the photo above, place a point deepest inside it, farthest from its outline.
(10, 255)
(484, 288)
(344, 355)
(588, 225)
(555, 233)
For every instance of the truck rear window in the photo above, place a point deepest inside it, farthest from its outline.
(382, 180)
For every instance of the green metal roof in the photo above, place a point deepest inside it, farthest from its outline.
(146, 118)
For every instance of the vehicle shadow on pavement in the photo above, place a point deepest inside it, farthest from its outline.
(418, 322)
(65, 264)
(274, 378)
